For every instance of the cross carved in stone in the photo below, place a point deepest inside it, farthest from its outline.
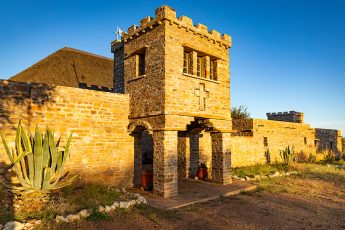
(202, 93)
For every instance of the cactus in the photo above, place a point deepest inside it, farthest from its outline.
(287, 155)
(38, 161)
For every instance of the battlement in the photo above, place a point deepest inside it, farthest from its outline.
(96, 88)
(166, 13)
(291, 116)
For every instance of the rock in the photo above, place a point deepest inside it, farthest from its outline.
(72, 218)
(38, 222)
(137, 195)
(116, 190)
(60, 219)
(243, 179)
(123, 190)
(124, 205)
(13, 225)
(84, 213)
(28, 225)
(276, 174)
(257, 177)
(101, 209)
(116, 204)
(107, 209)
(247, 178)
(0, 226)
(131, 202)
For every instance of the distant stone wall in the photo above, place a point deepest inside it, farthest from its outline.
(268, 135)
(101, 150)
(329, 140)
(291, 116)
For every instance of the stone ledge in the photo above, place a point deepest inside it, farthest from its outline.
(200, 78)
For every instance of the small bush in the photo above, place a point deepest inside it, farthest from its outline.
(301, 157)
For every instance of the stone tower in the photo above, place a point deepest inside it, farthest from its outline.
(177, 75)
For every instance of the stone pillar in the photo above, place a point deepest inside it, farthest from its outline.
(221, 158)
(205, 153)
(183, 148)
(137, 158)
(165, 178)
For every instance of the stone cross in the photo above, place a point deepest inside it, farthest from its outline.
(202, 93)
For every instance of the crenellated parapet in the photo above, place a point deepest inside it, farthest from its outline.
(168, 15)
(96, 88)
(291, 116)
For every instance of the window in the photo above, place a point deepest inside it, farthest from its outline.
(265, 142)
(213, 70)
(141, 64)
(331, 144)
(305, 140)
(317, 143)
(201, 67)
(187, 62)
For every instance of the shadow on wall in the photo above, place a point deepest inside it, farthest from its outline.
(6, 196)
(18, 100)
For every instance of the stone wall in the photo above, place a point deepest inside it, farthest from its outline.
(291, 116)
(101, 149)
(250, 149)
(329, 140)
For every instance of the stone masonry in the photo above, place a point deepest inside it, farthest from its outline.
(168, 112)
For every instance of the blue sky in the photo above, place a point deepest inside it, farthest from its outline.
(286, 54)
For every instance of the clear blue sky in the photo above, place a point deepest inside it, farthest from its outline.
(286, 54)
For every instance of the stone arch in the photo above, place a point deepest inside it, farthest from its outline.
(137, 126)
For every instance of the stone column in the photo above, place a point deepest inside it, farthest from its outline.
(137, 158)
(183, 148)
(221, 158)
(165, 178)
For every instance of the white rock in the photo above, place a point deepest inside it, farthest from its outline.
(124, 205)
(0, 226)
(84, 213)
(28, 225)
(72, 218)
(131, 202)
(38, 222)
(123, 190)
(116, 204)
(107, 209)
(276, 174)
(247, 178)
(60, 219)
(116, 190)
(137, 195)
(101, 209)
(243, 179)
(13, 225)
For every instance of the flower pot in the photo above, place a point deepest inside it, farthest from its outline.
(202, 173)
(147, 179)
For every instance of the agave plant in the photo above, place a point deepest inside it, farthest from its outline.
(38, 161)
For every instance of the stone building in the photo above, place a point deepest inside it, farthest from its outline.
(168, 110)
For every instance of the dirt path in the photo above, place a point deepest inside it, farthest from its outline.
(313, 200)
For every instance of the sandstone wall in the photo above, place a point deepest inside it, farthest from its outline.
(101, 150)
(329, 139)
(250, 149)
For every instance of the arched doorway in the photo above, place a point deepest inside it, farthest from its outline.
(143, 154)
